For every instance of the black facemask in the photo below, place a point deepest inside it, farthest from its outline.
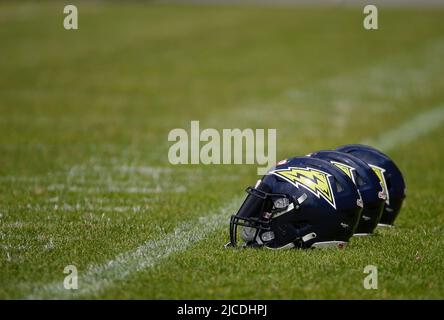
(255, 216)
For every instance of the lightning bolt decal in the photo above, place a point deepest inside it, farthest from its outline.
(314, 180)
(380, 173)
(346, 169)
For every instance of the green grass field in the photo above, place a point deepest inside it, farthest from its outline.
(84, 119)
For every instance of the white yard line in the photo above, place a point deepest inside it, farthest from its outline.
(115, 189)
(410, 130)
(80, 207)
(97, 278)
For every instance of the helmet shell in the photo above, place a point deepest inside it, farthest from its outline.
(330, 209)
(389, 175)
(367, 183)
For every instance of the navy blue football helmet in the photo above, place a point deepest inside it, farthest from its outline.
(389, 175)
(302, 202)
(367, 183)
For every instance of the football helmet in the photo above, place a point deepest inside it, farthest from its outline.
(367, 183)
(389, 176)
(302, 202)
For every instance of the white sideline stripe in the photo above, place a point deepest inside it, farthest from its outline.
(116, 189)
(98, 277)
(66, 207)
(410, 130)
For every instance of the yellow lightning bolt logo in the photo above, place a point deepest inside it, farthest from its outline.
(346, 169)
(380, 173)
(315, 181)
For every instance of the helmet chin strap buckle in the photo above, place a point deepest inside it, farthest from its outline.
(301, 199)
(309, 236)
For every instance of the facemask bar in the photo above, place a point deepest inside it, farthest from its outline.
(254, 212)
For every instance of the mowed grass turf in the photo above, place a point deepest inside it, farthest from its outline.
(84, 120)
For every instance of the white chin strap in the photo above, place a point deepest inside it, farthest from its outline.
(329, 244)
(289, 208)
(307, 237)
(383, 225)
